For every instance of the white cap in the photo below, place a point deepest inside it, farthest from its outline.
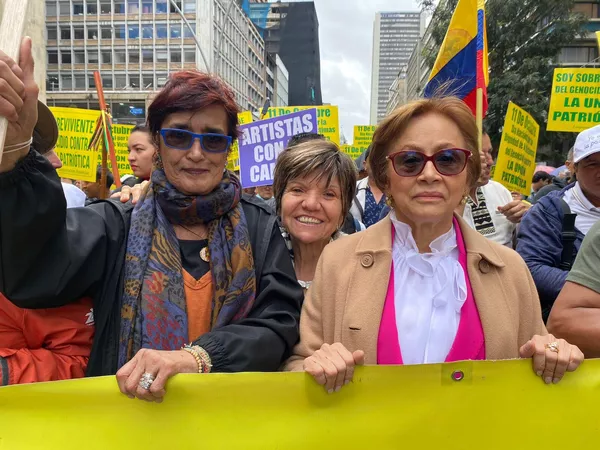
(587, 143)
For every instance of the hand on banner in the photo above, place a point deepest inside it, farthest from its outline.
(18, 102)
(159, 366)
(515, 210)
(332, 366)
(552, 357)
(131, 193)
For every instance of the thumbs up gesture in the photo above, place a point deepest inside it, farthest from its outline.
(18, 101)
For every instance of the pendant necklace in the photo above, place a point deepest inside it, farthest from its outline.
(204, 253)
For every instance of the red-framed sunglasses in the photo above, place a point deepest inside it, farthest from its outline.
(448, 162)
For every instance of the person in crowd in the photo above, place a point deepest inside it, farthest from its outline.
(547, 241)
(314, 184)
(45, 137)
(576, 312)
(491, 209)
(142, 152)
(369, 203)
(558, 183)
(40, 344)
(265, 193)
(421, 286)
(251, 192)
(194, 279)
(540, 179)
(93, 190)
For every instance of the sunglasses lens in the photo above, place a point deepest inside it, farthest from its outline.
(408, 164)
(450, 162)
(180, 139)
(215, 143)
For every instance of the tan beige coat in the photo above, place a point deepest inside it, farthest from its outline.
(345, 302)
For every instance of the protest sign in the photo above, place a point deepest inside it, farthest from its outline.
(516, 158)
(328, 119)
(120, 134)
(494, 406)
(353, 151)
(575, 100)
(75, 129)
(233, 160)
(363, 135)
(262, 142)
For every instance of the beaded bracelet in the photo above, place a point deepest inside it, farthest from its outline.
(192, 351)
(207, 363)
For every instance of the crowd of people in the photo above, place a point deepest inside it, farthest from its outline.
(414, 257)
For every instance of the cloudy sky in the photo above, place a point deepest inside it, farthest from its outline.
(346, 39)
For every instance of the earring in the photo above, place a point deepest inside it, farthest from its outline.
(389, 200)
(464, 200)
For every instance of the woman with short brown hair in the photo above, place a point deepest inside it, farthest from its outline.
(421, 286)
(314, 184)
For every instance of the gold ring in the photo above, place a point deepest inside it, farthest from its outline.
(552, 346)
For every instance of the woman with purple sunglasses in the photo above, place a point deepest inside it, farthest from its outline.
(421, 286)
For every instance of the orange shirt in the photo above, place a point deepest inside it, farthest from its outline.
(198, 299)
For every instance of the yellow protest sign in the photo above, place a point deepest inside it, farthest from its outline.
(363, 135)
(75, 129)
(496, 406)
(233, 160)
(327, 119)
(352, 150)
(575, 100)
(120, 134)
(516, 158)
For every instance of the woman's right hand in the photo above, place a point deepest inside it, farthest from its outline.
(131, 193)
(332, 366)
(18, 101)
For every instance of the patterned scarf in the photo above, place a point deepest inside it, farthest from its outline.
(153, 311)
(481, 216)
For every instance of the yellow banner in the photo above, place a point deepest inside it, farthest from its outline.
(120, 135)
(363, 135)
(327, 119)
(352, 150)
(516, 158)
(575, 100)
(75, 129)
(496, 406)
(233, 160)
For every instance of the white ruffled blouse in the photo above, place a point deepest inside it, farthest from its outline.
(430, 290)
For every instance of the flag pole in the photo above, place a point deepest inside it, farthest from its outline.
(479, 119)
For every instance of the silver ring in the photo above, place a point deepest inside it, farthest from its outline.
(146, 381)
(552, 346)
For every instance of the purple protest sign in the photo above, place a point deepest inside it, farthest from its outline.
(261, 143)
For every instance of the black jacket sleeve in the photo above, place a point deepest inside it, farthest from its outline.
(264, 339)
(50, 257)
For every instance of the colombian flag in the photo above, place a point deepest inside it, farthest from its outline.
(461, 66)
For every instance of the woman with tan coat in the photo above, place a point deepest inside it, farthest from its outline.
(421, 286)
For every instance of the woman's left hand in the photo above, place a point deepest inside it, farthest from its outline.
(552, 357)
(160, 365)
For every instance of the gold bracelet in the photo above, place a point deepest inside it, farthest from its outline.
(205, 358)
(192, 351)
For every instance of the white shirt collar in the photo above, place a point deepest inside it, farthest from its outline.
(443, 245)
(581, 198)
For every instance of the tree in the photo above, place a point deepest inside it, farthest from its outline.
(525, 38)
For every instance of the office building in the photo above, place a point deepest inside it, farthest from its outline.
(136, 44)
(584, 51)
(291, 30)
(395, 35)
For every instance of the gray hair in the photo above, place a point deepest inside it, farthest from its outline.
(320, 158)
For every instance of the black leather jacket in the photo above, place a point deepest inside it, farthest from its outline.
(51, 256)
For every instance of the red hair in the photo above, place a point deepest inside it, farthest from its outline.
(191, 90)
